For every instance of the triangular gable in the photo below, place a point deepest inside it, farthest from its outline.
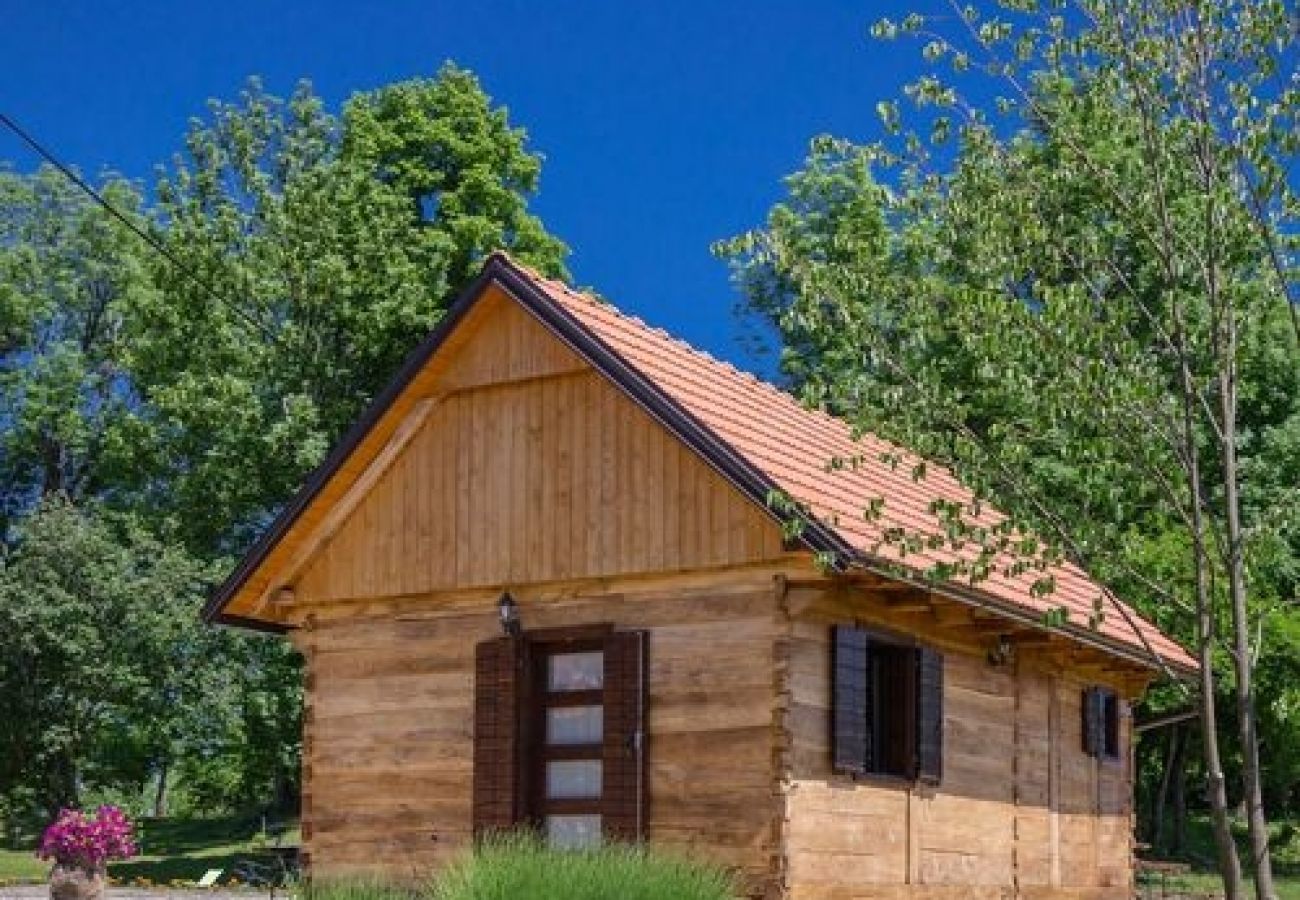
(543, 475)
(441, 484)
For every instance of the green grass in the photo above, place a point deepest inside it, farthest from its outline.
(1200, 853)
(356, 890)
(172, 850)
(1288, 886)
(21, 866)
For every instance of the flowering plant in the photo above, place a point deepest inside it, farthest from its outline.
(88, 842)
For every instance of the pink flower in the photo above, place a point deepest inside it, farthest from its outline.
(75, 839)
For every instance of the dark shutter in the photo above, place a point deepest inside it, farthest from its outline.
(929, 715)
(624, 795)
(497, 683)
(851, 700)
(1110, 706)
(1094, 721)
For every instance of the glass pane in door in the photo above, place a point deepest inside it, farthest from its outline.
(573, 832)
(573, 779)
(576, 671)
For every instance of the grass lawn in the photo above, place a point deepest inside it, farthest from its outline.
(172, 850)
(1288, 886)
(21, 865)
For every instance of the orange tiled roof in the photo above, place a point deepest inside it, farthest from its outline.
(792, 445)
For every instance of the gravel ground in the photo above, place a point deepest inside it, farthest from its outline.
(42, 892)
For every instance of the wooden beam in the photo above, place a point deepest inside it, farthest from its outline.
(918, 603)
(799, 600)
(1032, 638)
(338, 514)
(952, 614)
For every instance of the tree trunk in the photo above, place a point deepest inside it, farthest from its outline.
(62, 780)
(1178, 792)
(1252, 790)
(160, 795)
(1172, 743)
(1215, 787)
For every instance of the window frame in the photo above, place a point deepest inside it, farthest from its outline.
(884, 648)
(1106, 744)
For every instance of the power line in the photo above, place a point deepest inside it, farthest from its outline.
(27, 138)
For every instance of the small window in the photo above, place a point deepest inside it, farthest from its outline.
(887, 707)
(1101, 723)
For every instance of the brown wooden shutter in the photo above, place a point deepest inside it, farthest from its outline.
(851, 700)
(624, 795)
(1094, 721)
(929, 715)
(498, 681)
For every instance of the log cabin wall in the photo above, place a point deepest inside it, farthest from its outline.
(524, 469)
(389, 743)
(1021, 810)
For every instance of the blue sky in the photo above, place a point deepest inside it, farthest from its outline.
(665, 126)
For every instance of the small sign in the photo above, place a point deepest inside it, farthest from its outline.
(209, 878)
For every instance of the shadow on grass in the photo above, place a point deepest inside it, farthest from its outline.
(169, 837)
(183, 850)
(177, 868)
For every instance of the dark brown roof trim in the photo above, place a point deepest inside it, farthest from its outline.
(717, 452)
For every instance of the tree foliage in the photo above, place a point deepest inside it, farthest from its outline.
(66, 269)
(335, 243)
(156, 410)
(103, 664)
(1073, 284)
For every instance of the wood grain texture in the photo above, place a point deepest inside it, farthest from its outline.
(500, 488)
(1021, 810)
(392, 743)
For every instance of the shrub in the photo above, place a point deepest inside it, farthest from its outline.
(521, 867)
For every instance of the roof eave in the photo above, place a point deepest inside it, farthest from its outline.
(972, 596)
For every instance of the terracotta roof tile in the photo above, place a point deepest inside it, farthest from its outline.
(793, 446)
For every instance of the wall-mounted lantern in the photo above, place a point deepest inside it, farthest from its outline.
(508, 610)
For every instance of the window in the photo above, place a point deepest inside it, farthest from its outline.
(887, 707)
(558, 741)
(1101, 723)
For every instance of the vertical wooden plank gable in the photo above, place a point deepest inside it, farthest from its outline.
(550, 479)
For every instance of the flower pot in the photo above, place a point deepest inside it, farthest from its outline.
(76, 883)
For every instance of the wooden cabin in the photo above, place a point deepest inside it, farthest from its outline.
(543, 582)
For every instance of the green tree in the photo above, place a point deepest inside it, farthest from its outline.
(104, 670)
(66, 271)
(334, 245)
(1077, 280)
